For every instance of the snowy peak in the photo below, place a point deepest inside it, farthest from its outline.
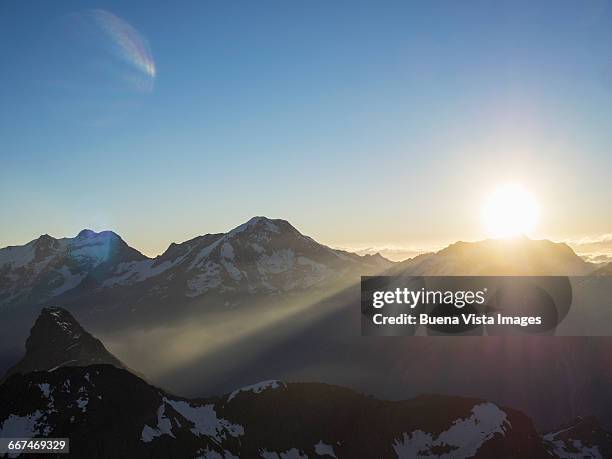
(260, 256)
(264, 224)
(56, 340)
(265, 255)
(47, 267)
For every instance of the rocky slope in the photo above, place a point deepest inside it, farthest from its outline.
(582, 438)
(58, 340)
(108, 412)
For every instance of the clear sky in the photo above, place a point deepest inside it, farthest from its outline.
(362, 123)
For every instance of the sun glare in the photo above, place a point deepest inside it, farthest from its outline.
(510, 211)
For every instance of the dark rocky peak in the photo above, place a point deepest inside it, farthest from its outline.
(45, 246)
(53, 325)
(56, 340)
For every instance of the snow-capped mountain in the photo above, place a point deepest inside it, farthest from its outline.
(520, 256)
(261, 255)
(58, 340)
(47, 267)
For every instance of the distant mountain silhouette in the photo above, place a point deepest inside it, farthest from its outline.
(520, 256)
(605, 270)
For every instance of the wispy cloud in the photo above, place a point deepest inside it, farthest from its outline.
(595, 248)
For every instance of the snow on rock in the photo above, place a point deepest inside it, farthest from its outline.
(323, 449)
(231, 269)
(258, 388)
(292, 453)
(129, 273)
(279, 262)
(45, 389)
(267, 225)
(463, 438)
(570, 449)
(164, 426)
(205, 420)
(204, 281)
(66, 280)
(23, 426)
(82, 403)
(17, 256)
(227, 251)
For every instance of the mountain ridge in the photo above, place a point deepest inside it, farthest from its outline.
(270, 255)
(270, 419)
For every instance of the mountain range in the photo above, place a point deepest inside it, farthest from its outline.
(107, 411)
(264, 301)
(260, 256)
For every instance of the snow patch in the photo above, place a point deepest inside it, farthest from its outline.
(464, 437)
(45, 388)
(23, 426)
(323, 449)
(204, 281)
(279, 262)
(258, 388)
(82, 403)
(570, 449)
(164, 426)
(205, 420)
(227, 251)
(231, 269)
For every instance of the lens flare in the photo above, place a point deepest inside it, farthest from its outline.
(131, 45)
(128, 45)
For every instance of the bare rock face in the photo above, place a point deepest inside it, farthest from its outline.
(58, 340)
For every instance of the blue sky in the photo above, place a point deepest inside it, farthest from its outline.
(362, 123)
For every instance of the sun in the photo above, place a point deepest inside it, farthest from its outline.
(510, 211)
